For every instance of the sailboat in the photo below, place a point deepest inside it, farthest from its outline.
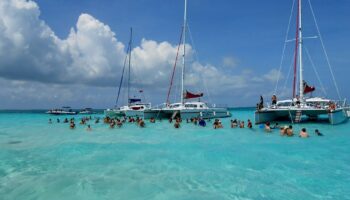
(186, 109)
(135, 106)
(300, 107)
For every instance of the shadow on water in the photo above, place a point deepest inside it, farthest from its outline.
(14, 142)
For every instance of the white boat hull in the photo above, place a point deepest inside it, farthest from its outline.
(268, 115)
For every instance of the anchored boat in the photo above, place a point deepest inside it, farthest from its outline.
(187, 108)
(135, 106)
(300, 107)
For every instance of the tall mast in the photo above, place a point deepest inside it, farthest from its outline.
(301, 79)
(130, 47)
(184, 53)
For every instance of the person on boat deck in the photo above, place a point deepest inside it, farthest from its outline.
(303, 133)
(274, 100)
(250, 125)
(89, 128)
(298, 101)
(261, 104)
(267, 127)
(290, 131)
(317, 132)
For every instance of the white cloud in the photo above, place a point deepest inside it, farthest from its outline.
(91, 56)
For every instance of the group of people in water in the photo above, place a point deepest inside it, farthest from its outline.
(217, 124)
(288, 130)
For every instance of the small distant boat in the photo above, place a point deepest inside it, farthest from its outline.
(135, 106)
(186, 109)
(300, 107)
(87, 111)
(65, 110)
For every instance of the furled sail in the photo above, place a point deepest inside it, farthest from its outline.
(307, 88)
(189, 95)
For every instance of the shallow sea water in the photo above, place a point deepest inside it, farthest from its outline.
(49, 161)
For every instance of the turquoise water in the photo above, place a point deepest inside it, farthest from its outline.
(49, 161)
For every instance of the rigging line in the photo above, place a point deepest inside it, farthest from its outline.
(324, 50)
(176, 58)
(121, 79)
(288, 75)
(284, 47)
(313, 66)
(197, 58)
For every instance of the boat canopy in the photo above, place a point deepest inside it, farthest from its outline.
(189, 95)
(134, 100)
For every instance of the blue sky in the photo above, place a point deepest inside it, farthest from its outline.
(241, 40)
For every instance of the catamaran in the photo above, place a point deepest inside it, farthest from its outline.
(300, 107)
(186, 109)
(135, 106)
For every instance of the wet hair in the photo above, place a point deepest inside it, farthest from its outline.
(290, 126)
(303, 129)
(316, 131)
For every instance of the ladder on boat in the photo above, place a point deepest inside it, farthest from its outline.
(174, 114)
(298, 115)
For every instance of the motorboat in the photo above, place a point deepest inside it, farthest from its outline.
(65, 110)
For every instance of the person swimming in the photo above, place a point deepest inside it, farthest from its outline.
(241, 125)
(72, 125)
(290, 131)
(318, 133)
(250, 125)
(89, 128)
(202, 123)
(50, 121)
(267, 127)
(177, 124)
(303, 133)
(234, 123)
(58, 120)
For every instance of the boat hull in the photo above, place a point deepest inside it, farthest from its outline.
(187, 113)
(268, 115)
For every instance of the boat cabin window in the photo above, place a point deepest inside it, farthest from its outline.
(190, 105)
(284, 103)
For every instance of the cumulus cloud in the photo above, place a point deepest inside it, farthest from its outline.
(91, 56)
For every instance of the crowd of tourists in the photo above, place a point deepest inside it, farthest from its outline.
(286, 130)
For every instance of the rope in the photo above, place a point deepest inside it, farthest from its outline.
(287, 78)
(197, 59)
(324, 50)
(317, 75)
(284, 47)
(121, 79)
(172, 75)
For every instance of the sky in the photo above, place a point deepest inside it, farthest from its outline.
(72, 52)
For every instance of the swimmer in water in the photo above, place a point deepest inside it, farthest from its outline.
(50, 121)
(89, 128)
(303, 133)
(317, 132)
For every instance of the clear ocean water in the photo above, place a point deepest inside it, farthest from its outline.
(49, 161)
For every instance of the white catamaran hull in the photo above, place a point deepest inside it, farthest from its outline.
(335, 117)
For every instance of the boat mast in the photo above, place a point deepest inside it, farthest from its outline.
(130, 43)
(301, 85)
(184, 53)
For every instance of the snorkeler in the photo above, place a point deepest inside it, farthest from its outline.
(318, 133)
